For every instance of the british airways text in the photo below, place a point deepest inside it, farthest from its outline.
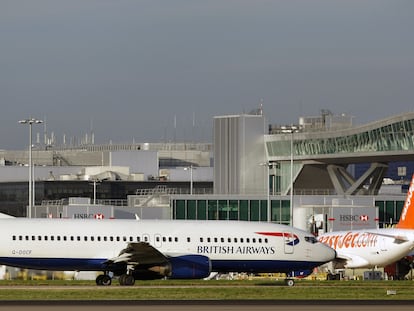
(216, 249)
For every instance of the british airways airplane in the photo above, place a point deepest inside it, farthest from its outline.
(372, 248)
(151, 249)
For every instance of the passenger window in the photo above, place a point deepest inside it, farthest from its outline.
(188, 239)
(176, 239)
(14, 238)
(52, 238)
(241, 240)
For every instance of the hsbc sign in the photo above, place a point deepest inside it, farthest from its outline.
(348, 218)
(353, 217)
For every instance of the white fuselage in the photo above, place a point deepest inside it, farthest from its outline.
(68, 244)
(370, 248)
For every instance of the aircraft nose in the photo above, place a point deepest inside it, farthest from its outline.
(325, 253)
(330, 253)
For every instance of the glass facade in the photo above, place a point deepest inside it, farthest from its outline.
(389, 211)
(14, 195)
(231, 209)
(389, 137)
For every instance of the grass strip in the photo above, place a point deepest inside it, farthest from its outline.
(209, 290)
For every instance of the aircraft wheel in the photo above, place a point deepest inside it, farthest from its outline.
(129, 280)
(106, 280)
(103, 280)
(126, 280)
(289, 282)
(122, 279)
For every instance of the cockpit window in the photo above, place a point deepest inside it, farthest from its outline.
(311, 239)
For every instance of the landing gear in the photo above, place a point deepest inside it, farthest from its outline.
(290, 282)
(126, 280)
(103, 280)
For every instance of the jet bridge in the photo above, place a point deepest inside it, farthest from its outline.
(323, 160)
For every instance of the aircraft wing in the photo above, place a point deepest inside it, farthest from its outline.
(140, 253)
(398, 239)
(149, 263)
(344, 260)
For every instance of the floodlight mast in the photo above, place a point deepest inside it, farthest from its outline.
(30, 122)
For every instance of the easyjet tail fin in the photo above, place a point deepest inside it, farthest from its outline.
(407, 215)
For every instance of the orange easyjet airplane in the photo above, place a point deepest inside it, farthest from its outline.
(374, 247)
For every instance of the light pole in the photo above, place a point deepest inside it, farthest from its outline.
(191, 177)
(95, 180)
(291, 177)
(269, 208)
(29, 122)
(291, 129)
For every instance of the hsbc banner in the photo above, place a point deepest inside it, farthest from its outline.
(90, 212)
(349, 218)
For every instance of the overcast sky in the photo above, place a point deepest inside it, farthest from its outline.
(161, 70)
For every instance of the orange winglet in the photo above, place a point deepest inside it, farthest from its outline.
(407, 215)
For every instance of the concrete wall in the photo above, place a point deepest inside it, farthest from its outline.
(238, 153)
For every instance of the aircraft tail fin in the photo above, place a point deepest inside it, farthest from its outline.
(407, 215)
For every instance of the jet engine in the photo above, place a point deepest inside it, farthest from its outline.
(189, 267)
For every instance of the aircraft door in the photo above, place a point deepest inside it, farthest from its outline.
(383, 243)
(288, 242)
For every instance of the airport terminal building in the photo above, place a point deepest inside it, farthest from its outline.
(323, 173)
(313, 175)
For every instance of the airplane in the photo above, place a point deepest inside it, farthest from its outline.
(133, 249)
(373, 248)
